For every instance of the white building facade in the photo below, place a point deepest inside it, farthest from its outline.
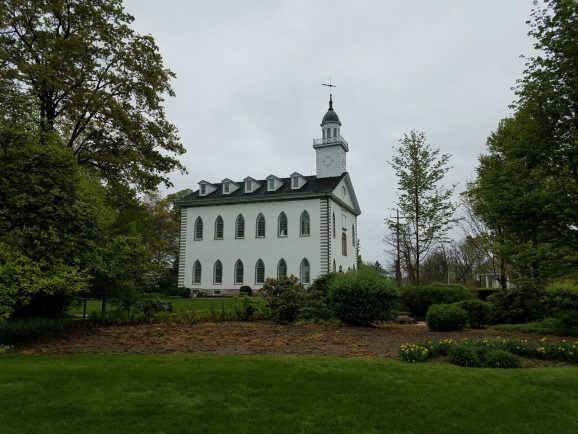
(237, 234)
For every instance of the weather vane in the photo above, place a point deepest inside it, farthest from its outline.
(329, 86)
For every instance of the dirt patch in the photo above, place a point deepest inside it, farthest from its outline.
(261, 337)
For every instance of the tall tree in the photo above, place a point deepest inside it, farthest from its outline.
(425, 204)
(96, 82)
(526, 188)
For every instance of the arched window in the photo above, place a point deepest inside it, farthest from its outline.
(334, 267)
(199, 228)
(239, 272)
(305, 271)
(282, 225)
(240, 227)
(197, 273)
(344, 244)
(219, 228)
(304, 224)
(259, 272)
(260, 231)
(353, 235)
(333, 225)
(218, 273)
(281, 269)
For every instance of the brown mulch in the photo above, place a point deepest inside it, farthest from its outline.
(261, 337)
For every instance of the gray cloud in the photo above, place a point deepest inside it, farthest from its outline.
(249, 99)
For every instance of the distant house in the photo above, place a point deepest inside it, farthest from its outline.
(488, 280)
(236, 233)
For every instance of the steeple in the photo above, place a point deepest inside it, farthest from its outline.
(331, 148)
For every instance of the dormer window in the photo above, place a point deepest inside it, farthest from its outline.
(206, 188)
(271, 184)
(226, 187)
(295, 182)
(247, 186)
(203, 189)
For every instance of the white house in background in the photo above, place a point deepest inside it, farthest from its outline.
(236, 233)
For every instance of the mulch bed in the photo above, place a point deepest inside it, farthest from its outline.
(260, 337)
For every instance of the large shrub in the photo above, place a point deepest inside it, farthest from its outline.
(284, 297)
(446, 317)
(560, 297)
(361, 297)
(315, 305)
(418, 299)
(516, 305)
(478, 312)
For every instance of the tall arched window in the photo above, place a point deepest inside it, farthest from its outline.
(305, 227)
(305, 271)
(260, 230)
(259, 272)
(334, 267)
(240, 227)
(333, 225)
(344, 244)
(197, 273)
(282, 225)
(219, 228)
(353, 235)
(199, 228)
(239, 272)
(218, 273)
(281, 269)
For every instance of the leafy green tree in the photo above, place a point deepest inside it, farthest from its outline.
(96, 82)
(526, 188)
(425, 204)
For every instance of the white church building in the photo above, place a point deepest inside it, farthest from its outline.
(236, 233)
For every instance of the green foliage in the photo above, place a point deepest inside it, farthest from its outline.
(500, 359)
(478, 312)
(284, 297)
(245, 290)
(244, 307)
(560, 297)
(418, 299)
(516, 305)
(464, 355)
(413, 353)
(95, 82)
(361, 297)
(425, 205)
(446, 317)
(315, 305)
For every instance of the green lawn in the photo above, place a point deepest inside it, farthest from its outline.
(181, 393)
(180, 304)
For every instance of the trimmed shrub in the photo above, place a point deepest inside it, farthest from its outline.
(245, 290)
(464, 355)
(478, 312)
(560, 297)
(446, 317)
(315, 306)
(361, 297)
(284, 297)
(500, 359)
(418, 299)
(516, 305)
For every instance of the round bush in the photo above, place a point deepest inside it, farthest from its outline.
(500, 359)
(418, 299)
(464, 355)
(361, 297)
(245, 290)
(478, 312)
(446, 317)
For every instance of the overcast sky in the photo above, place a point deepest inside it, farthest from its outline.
(249, 98)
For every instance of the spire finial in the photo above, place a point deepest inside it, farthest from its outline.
(330, 93)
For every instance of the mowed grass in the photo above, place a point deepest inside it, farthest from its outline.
(180, 304)
(180, 393)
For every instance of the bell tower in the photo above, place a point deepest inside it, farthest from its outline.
(331, 148)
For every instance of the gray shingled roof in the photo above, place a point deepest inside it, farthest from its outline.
(313, 187)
